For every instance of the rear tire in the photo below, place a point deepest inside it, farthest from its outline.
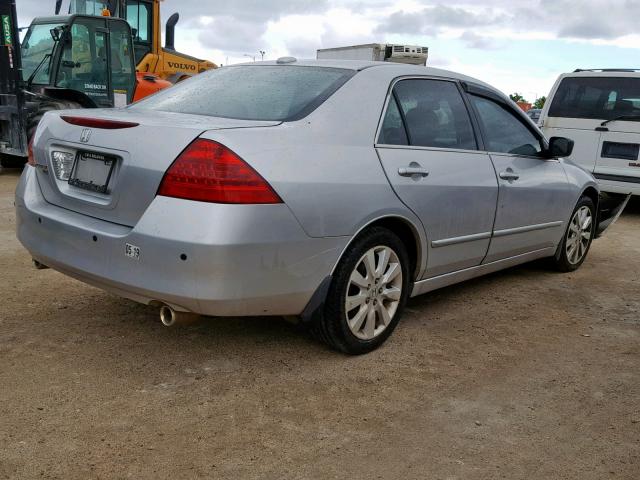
(367, 295)
(577, 239)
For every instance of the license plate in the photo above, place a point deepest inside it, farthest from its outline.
(132, 251)
(92, 171)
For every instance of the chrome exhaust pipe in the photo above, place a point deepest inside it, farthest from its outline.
(170, 317)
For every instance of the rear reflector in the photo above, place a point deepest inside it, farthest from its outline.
(207, 171)
(98, 122)
(31, 160)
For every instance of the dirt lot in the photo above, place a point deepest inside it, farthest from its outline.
(524, 374)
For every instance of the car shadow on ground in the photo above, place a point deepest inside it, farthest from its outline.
(633, 207)
(233, 336)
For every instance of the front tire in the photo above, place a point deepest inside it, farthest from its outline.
(367, 295)
(578, 237)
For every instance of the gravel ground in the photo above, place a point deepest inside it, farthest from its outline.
(524, 374)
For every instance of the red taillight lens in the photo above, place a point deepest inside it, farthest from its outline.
(209, 172)
(98, 122)
(31, 160)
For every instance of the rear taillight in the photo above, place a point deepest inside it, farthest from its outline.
(98, 122)
(31, 160)
(207, 171)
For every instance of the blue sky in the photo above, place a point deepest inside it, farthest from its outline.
(514, 45)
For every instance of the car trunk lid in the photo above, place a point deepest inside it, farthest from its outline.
(113, 173)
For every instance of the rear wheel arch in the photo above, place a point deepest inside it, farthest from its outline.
(405, 230)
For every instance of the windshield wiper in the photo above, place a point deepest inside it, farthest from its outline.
(37, 69)
(621, 117)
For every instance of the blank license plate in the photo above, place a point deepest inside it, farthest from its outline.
(92, 171)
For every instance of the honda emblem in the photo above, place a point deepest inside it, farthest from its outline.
(85, 135)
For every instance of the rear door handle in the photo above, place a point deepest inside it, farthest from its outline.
(412, 170)
(509, 174)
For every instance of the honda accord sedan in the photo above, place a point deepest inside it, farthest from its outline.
(327, 190)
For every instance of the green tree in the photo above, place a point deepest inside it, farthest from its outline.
(539, 103)
(516, 97)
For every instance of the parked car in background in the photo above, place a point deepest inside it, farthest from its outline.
(534, 114)
(329, 190)
(600, 111)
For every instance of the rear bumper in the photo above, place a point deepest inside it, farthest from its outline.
(240, 259)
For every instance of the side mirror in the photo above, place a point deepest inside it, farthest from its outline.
(560, 147)
(55, 34)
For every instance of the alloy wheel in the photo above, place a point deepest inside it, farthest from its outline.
(373, 292)
(579, 235)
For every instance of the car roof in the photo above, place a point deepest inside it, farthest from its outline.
(602, 73)
(390, 68)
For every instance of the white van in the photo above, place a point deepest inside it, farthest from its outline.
(600, 111)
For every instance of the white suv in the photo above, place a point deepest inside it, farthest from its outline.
(600, 111)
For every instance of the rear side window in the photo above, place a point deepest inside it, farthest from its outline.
(434, 115)
(503, 131)
(600, 98)
(278, 93)
(393, 132)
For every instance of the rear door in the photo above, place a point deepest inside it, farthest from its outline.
(618, 154)
(533, 191)
(430, 154)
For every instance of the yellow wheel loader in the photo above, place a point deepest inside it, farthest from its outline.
(144, 17)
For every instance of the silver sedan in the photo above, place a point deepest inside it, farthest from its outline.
(330, 191)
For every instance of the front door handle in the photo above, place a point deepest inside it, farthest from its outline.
(509, 174)
(413, 170)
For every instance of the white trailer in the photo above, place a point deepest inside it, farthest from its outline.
(379, 52)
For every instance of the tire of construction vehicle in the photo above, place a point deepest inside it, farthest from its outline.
(10, 161)
(44, 107)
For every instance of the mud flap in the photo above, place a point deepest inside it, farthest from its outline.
(610, 207)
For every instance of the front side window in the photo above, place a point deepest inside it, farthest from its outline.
(138, 16)
(259, 92)
(600, 98)
(503, 130)
(122, 69)
(434, 114)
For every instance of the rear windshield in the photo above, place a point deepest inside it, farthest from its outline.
(264, 92)
(601, 98)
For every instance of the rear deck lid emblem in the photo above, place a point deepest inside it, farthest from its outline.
(85, 135)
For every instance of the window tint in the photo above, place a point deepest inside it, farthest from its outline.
(503, 130)
(393, 132)
(282, 93)
(600, 98)
(435, 114)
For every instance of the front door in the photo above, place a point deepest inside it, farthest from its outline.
(533, 195)
(429, 152)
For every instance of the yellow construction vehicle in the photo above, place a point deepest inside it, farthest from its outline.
(144, 17)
